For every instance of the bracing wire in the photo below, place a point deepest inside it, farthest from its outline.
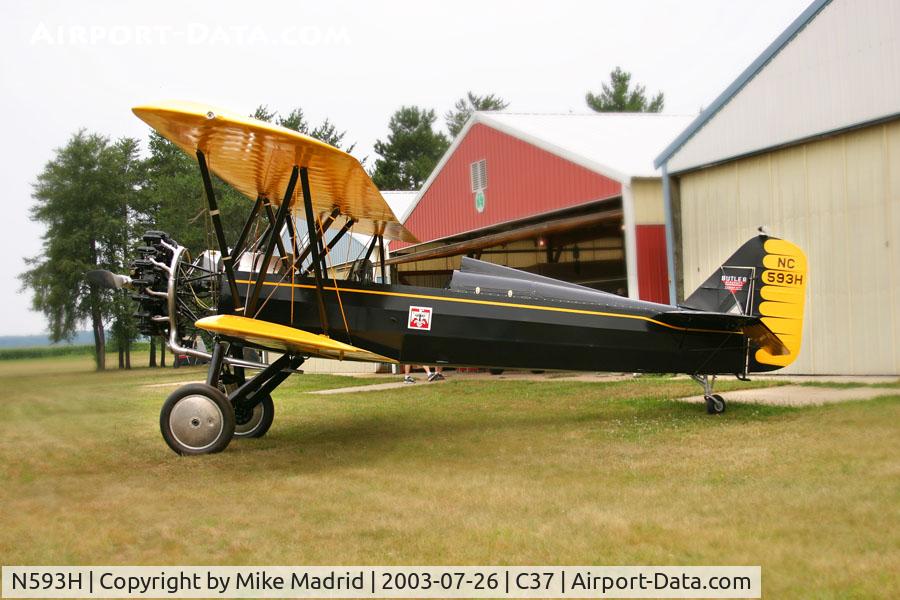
(293, 260)
(337, 290)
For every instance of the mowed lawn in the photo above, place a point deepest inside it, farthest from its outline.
(476, 472)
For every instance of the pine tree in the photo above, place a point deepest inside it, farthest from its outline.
(464, 108)
(296, 120)
(619, 96)
(411, 151)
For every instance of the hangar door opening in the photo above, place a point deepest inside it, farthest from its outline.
(583, 245)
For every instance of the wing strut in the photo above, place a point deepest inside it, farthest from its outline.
(370, 249)
(242, 239)
(381, 258)
(217, 225)
(313, 244)
(275, 231)
(306, 250)
(341, 233)
(274, 234)
(323, 227)
(293, 235)
(330, 246)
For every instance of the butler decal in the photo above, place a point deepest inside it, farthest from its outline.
(734, 283)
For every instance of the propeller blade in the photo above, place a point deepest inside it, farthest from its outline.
(107, 279)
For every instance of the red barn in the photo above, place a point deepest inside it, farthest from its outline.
(575, 197)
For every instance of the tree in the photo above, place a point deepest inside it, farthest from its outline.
(296, 120)
(174, 201)
(127, 184)
(411, 151)
(464, 107)
(78, 198)
(328, 133)
(262, 113)
(619, 96)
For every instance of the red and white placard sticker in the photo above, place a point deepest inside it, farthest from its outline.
(419, 318)
(734, 283)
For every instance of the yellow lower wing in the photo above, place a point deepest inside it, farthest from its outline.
(286, 339)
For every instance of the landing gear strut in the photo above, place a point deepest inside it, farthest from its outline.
(715, 403)
(250, 421)
(202, 418)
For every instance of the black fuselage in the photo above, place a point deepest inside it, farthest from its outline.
(487, 328)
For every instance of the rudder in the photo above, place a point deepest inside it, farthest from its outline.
(765, 277)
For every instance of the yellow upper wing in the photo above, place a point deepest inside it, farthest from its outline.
(257, 158)
(287, 339)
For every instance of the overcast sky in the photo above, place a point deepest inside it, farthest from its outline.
(67, 65)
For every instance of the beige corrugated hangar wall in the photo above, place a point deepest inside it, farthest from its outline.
(839, 200)
(807, 142)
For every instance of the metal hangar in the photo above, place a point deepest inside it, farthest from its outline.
(807, 142)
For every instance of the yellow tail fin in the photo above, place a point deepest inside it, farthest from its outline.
(783, 294)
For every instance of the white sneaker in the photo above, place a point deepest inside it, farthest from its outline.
(408, 379)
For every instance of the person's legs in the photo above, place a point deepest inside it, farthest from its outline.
(437, 375)
(407, 378)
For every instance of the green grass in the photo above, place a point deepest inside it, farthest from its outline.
(45, 352)
(466, 472)
(65, 350)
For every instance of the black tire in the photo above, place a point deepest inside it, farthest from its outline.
(715, 404)
(182, 418)
(495, 371)
(255, 423)
(537, 371)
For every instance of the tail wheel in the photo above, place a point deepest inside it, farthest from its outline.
(715, 404)
(197, 419)
(254, 422)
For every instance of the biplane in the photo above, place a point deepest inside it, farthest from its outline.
(274, 288)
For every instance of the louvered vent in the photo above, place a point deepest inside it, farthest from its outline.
(478, 172)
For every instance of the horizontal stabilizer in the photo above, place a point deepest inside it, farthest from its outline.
(750, 325)
(273, 336)
(697, 319)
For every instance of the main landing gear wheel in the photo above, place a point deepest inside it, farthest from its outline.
(254, 422)
(197, 419)
(715, 404)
